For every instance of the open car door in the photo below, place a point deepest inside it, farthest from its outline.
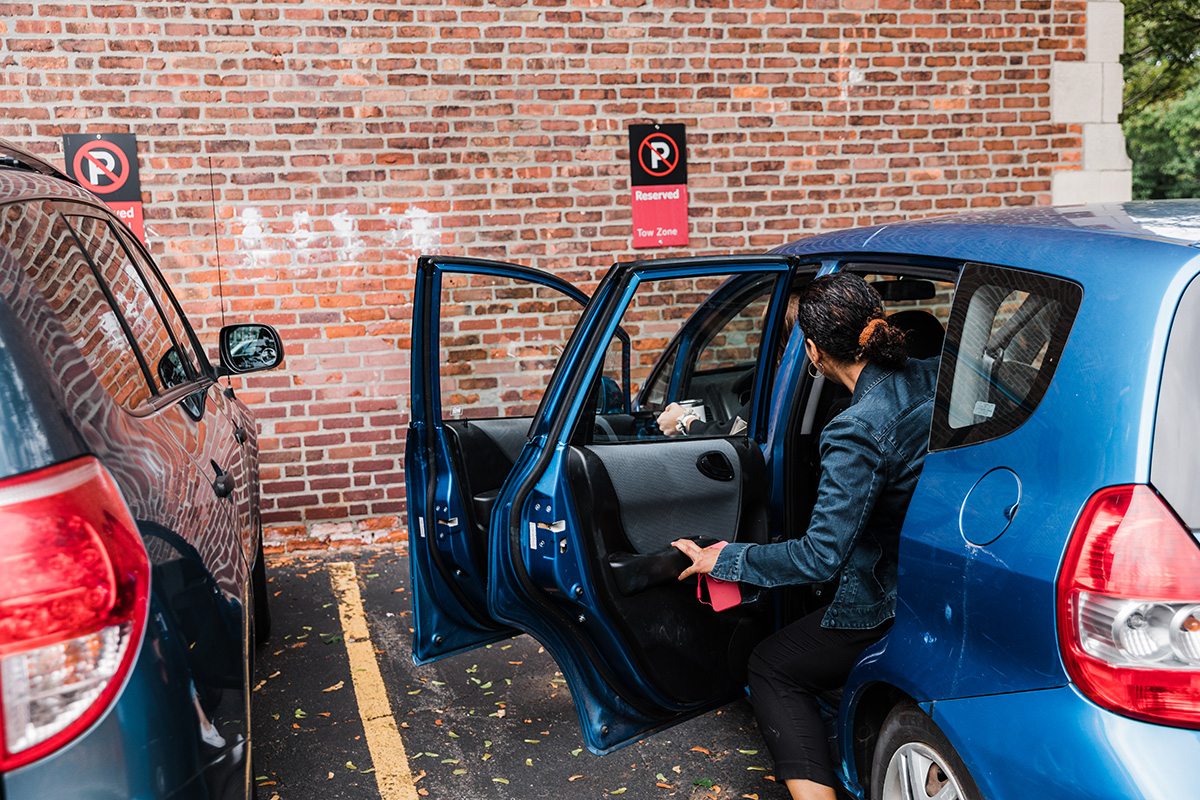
(485, 339)
(581, 532)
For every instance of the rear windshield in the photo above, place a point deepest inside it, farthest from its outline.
(1175, 458)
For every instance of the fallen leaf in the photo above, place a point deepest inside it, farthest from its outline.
(574, 778)
(748, 752)
(300, 713)
(322, 713)
(618, 791)
(335, 687)
(662, 785)
(500, 780)
(750, 796)
(701, 750)
(758, 769)
(330, 777)
(577, 751)
(460, 772)
(350, 765)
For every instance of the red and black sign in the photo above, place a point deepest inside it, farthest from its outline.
(658, 180)
(107, 165)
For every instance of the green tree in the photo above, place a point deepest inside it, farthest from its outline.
(1164, 145)
(1161, 109)
(1162, 51)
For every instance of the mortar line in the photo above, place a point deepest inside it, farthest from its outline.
(392, 774)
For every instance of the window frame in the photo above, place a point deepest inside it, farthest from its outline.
(160, 395)
(974, 278)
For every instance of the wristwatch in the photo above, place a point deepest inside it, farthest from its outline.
(682, 423)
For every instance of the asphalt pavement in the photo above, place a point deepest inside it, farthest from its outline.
(340, 711)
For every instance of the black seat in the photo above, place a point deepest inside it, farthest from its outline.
(923, 333)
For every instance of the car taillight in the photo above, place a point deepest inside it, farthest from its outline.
(1129, 608)
(74, 592)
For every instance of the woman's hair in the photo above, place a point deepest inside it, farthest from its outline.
(843, 315)
(789, 322)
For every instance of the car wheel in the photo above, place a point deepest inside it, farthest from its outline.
(262, 605)
(914, 760)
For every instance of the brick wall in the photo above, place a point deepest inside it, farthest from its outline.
(344, 138)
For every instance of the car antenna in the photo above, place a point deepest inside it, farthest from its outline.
(212, 196)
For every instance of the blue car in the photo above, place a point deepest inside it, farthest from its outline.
(132, 582)
(1047, 635)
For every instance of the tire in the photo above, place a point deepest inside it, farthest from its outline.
(262, 605)
(914, 761)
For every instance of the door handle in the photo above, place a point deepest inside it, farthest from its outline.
(223, 483)
(715, 464)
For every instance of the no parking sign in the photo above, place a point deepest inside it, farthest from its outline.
(658, 177)
(107, 164)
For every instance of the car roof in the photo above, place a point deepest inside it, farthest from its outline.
(1074, 241)
(25, 176)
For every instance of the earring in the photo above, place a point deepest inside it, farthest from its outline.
(814, 371)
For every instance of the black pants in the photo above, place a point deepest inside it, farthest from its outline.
(785, 671)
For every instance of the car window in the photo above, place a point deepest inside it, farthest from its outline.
(1175, 457)
(696, 341)
(1006, 334)
(102, 244)
(499, 341)
(171, 315)
(50, 255)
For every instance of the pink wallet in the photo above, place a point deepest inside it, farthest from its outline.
(719, 594)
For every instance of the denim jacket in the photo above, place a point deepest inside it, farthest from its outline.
(871, 457)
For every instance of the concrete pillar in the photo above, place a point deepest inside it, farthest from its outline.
(1088, 93)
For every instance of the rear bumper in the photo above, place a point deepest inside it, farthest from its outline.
(148, 746)
(1056, 743)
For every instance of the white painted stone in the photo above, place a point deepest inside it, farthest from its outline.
(1105, 30)
(1104, 148)
(1074, 187)
(1111, 97)
(1117, 185)
(1075, 91)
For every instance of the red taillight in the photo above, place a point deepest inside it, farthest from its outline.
(74, 589)
(1129, 608)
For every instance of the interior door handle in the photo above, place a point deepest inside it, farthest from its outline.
(716, 465)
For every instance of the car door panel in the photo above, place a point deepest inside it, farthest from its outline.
(580, 540)
(483, 334)
(663, 495)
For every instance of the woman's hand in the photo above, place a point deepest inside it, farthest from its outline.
(703, 558)
(669, 419)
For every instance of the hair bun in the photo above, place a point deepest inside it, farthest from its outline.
(869, 330)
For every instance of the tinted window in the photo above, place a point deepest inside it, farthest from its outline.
(50, 255)
(1006, 334)
(107, 252)
(1175, 458)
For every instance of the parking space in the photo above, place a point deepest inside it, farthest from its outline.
(497, 722)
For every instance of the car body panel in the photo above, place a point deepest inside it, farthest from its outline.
(180, 725)
(1056, 743)
(975, 641)
(544, 576)
(450, 610)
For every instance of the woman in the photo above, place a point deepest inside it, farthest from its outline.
(871, 456)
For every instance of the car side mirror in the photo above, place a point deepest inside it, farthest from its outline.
(249, 348)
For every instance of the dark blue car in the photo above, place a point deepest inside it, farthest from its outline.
(131, 572)
(1047, 638)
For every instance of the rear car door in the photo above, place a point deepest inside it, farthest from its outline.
(581, 531)
(486, 337)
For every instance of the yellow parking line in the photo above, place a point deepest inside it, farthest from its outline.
(383, 736)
